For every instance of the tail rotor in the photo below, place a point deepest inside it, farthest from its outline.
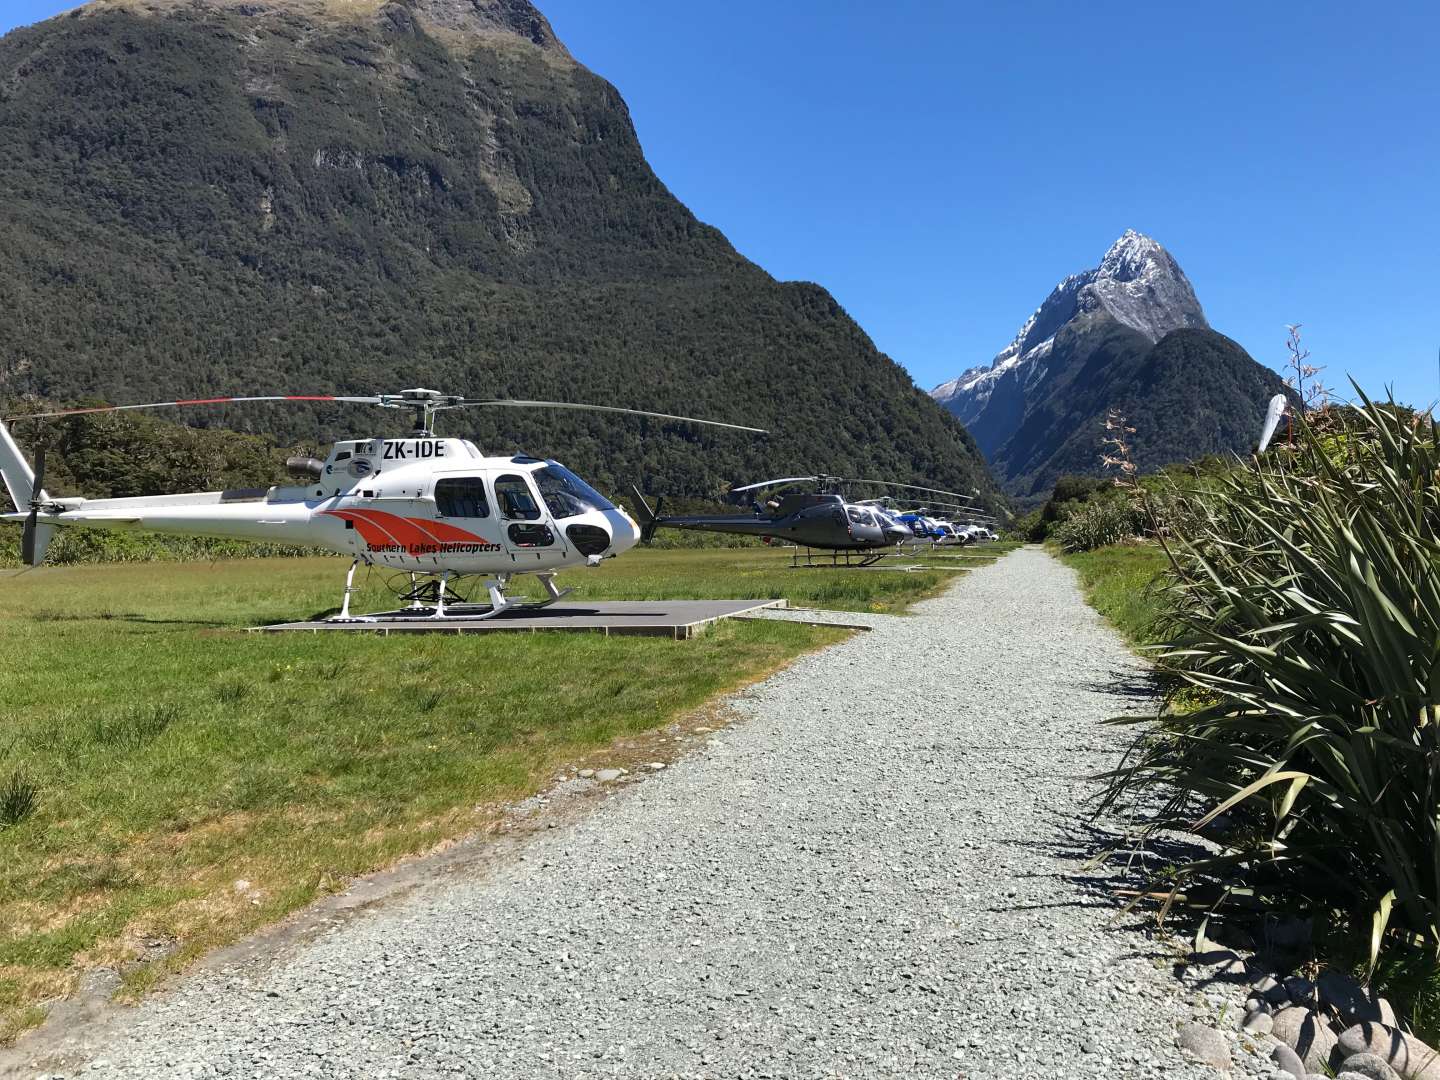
(37, 493)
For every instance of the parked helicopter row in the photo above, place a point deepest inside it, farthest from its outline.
(825, 519)
(441, 509)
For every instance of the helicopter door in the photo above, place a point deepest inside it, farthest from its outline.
(461, 502)
(526, 525)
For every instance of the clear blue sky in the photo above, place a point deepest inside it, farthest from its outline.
(939, 166)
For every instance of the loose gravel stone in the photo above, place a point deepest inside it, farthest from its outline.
(1258, 1022)
(880, 872)
(1205, 1044)
(1289, 1061)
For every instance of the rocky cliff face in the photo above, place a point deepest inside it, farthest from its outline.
(1035, 411)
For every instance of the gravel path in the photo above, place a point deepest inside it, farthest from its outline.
(868, 877)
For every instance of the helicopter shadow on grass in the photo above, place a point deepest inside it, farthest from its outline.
(115, 616)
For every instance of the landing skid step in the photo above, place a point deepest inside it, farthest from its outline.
(456, 612)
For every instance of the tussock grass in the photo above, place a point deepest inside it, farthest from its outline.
(18, 796)
(173, 757)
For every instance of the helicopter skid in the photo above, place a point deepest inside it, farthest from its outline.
(433, 601)
(858, 558)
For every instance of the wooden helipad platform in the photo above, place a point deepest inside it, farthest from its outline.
(679, 619)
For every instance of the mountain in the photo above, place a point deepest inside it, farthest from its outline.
(205, 197)
(1128, 335)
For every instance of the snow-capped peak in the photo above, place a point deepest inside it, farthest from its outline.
(1137, 283)
(1128, 257)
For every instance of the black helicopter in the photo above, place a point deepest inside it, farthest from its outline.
(821, 518)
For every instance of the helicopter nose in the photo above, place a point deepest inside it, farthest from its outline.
(898, 533)
(624, 533)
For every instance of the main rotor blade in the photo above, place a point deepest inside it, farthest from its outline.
(513, 404)
(198, 401)
(911, 487)
(953, 506)
(777, 483)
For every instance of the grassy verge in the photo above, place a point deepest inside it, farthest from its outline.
(173, 759)
(1119, 583)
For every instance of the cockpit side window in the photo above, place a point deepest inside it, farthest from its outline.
(461, 496)
(565, 494)
(516, 501)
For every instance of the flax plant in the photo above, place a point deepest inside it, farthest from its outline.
(1304, 593)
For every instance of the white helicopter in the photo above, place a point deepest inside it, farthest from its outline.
(437, 508)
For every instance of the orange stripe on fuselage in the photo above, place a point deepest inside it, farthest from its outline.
(417, 536)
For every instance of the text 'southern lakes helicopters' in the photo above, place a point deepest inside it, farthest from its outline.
(820, 519)
(436, 507)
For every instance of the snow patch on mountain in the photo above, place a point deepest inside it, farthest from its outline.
(1138, 283)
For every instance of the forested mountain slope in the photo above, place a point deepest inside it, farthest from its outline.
(207, 196)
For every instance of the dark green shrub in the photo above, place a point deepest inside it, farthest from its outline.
(1096, 524)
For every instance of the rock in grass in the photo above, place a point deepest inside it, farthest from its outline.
(1307, 1034)
(1368, 1067)
(586, 774)
(1205, 1044)
(605, 776)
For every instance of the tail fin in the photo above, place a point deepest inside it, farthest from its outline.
(19, 481)
(16, 472)
(649, 519)
(43, 533)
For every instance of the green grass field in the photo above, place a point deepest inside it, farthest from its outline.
(172, 755)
